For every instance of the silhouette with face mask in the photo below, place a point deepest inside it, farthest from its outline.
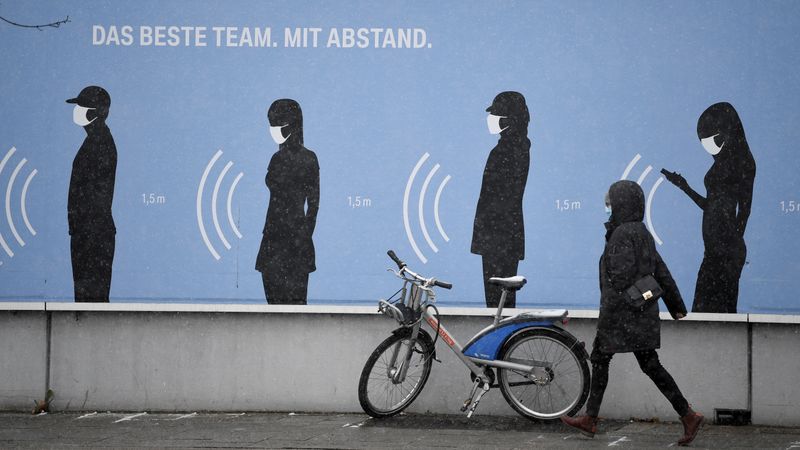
(726, 207)
(91, 193)
(286, 256)
(498, 233)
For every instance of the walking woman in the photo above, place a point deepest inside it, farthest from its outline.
(726, 208)
(629, 255)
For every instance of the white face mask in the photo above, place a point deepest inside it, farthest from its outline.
(608, 211)
(79, 116)
(711, 146)
(494, 124)
(277, 134)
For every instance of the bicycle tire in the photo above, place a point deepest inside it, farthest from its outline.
(372, 383)
(569, 374)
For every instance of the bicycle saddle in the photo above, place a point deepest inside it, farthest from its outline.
(516, 282)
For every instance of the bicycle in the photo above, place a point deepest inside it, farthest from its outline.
(542, 369)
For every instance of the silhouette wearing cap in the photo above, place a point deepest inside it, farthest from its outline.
(726, 207)
(286, 256)
(499, 233)
(91, 193)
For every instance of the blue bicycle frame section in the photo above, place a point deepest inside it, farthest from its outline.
(487, 343)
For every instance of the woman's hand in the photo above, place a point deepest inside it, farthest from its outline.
(679, 316)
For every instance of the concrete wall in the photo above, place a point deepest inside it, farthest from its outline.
(776, 373)
(270, 358)
(23, 356)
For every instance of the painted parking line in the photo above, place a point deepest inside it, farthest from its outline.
(356, 425)
(91, 414)
(185, 416)
(619, 441)
(130, 417)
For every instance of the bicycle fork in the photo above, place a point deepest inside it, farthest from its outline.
(398, 367)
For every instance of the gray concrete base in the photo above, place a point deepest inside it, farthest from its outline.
(23, 358)
(256, 361)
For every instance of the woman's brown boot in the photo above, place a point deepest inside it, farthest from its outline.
(587, 424)
(692, 422)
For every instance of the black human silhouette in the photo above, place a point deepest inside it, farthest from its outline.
(286, 256)
(91, 193)
(498, 233)
(726, 207)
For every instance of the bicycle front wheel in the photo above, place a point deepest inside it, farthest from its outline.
(559, 382)
(378, 392)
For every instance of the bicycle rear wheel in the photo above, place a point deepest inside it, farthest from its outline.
(378, 394)
(559, 383)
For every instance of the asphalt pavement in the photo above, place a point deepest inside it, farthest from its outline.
(357, 431)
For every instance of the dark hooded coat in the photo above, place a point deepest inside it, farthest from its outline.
(293, 182)
(629, 255)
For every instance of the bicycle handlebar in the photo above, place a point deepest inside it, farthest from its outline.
(404, 269)
(442, 284)
(400, 264)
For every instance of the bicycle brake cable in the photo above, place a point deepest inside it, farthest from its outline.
(438, 326)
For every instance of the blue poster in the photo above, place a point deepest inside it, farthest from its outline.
(232, 152)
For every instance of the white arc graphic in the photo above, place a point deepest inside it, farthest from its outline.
(8, 202)
(421, 208)
(648, 208)
(23, 202)
(228, 204)
(3, 242)
(214, 198)
(214, 202)
(436, 208)
(650, 195)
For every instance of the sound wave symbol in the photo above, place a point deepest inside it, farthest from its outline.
(650, 195)
(22, 202)
(214, 197)
(421, 208)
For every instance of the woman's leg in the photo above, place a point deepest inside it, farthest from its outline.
(600, 363)
(650, 365)
(587, 424)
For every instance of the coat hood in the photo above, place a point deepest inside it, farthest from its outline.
(627, 202)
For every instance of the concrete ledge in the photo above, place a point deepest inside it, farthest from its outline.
(773, 318)
(181, 357)
(22, 306)
(348, 309)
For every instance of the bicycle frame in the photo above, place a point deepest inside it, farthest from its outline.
(473, 363)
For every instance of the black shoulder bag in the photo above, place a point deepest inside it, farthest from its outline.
(644, 291)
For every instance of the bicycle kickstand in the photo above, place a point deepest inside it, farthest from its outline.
(471, 403)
